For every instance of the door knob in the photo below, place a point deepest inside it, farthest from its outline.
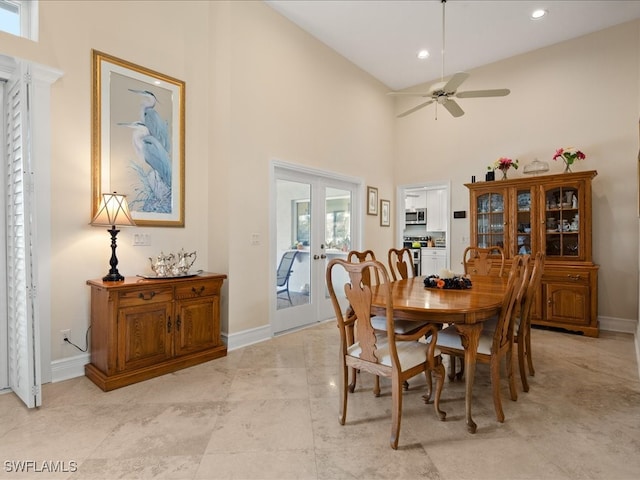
(323, 256)
(316, 257)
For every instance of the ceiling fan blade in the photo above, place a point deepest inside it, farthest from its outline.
(453, 108)
(409, 94)
(454, 82)
(498, 92)
(411, 110)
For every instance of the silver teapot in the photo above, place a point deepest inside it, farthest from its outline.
(184, 263)
(162, 264)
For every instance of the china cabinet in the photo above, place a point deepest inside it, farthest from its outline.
(552, 214)
(142, 328)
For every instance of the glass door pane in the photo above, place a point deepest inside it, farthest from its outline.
(337, 230)
(523, 209)
(293, 243)
(562, 238)
(490, 207)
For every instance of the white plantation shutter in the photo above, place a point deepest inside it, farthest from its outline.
(23, 326)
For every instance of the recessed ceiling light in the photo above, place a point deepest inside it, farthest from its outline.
(422, 54)
(538, 14)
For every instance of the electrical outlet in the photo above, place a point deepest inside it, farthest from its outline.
(64, 335)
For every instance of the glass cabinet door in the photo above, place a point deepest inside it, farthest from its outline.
(525, 240)
(491, 220)
(562, 222)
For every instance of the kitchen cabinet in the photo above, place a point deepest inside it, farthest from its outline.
(436, 210)
(415, 199)
(433, 261)
(142, 328)
(552, 214)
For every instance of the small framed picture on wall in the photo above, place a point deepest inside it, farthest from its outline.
(372, 201)
(385, 213)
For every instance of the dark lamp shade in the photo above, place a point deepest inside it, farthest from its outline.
(113, 211)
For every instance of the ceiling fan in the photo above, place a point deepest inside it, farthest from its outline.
(442, 93)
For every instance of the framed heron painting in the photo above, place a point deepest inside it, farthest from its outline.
(138, 140)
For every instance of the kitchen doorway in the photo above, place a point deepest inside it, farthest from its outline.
(316, 217)
(424, 213)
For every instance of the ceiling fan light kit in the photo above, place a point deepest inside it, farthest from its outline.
(443, 93)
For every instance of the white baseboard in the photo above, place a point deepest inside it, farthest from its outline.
(613, 324)
(247, 337)
(72, 367)
(69, 367)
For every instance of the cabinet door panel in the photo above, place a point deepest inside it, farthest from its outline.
(524, 209)
(489, 228)
(563, 204)
(196, 328)
(567, 303)
(144, 335)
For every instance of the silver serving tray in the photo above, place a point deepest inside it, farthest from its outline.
(170, 277)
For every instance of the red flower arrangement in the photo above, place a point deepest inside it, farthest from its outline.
(504, 164)
(568, 156)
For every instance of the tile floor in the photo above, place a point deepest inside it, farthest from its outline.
(269, 411)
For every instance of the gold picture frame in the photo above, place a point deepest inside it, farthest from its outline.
(372, 201)
(138, 140)
(385, 213)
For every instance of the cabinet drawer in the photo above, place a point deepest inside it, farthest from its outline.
(198, 289)
(145, 296)
(430, 252)
(580, 277)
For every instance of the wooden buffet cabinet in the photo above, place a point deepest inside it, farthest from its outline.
(142, 328)
(552, 214)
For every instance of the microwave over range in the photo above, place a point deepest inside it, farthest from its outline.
(416, 217)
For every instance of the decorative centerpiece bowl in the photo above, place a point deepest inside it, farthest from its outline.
(447, 280)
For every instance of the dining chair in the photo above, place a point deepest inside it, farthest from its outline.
(396, 356)
(522, 325)
(401, 263)
(284, 273)
(478, 261)
(523, 321)
(363, 256)
(355, 256)
(483, 261)
(494, 345)
(372, 277)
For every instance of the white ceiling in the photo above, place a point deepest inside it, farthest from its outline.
(383, 37)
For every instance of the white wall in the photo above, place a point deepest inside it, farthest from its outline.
(581, 93)
(258, 88)
(295, 100)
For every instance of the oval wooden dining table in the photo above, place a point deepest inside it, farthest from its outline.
(466, 309)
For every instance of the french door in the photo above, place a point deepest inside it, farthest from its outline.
(316, 218)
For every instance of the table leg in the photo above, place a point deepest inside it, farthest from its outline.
(470, 335)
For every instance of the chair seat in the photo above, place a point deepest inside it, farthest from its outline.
(410, 354)
(401, 327)
(450, 338)
(490, 325)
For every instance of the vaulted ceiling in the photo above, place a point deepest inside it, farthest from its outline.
(383, 37)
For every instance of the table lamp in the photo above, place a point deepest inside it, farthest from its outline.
(113, 211)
